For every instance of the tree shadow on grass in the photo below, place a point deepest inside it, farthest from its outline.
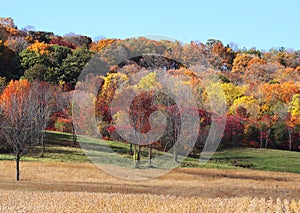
(104, 148)
(232, 158)
(58, 139)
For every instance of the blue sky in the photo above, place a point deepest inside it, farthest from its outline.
(259, 23)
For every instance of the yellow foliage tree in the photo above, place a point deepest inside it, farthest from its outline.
(101, 44)
(247, 102)
(294, 107)
(39, 47)
(232, 92)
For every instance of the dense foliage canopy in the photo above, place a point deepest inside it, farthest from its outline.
(261, 88)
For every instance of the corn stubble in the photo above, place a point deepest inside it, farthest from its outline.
(67, 187)
(32, 201)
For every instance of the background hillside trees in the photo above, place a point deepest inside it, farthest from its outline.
(261, 88)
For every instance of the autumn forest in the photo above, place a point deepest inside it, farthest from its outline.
(261, 89)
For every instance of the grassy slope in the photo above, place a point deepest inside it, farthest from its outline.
(261, 159)
(59, 149)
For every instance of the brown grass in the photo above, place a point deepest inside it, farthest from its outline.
(83, 188)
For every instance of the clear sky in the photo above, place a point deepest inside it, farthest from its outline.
(257, 23)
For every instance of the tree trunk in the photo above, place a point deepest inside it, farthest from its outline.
(130, 149)
(290, 139)
(267, 138)
(175, 145)
(137, 157)
(74, 136)
(150, 155)
(261, 139)
(175, 153)
(18, 167)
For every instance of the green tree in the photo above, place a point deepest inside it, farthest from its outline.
(9, 63)
(57, 54)
(37, 72)
(29, 58)
(280, 134)
(73, 64)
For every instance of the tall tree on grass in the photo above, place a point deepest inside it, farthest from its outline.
(24, 111)
(140, 110)
(45, 101)
(17, 118)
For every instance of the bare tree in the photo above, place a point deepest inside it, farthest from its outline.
(45, 97)
(17, 110)
(25, 109)
(16, 43)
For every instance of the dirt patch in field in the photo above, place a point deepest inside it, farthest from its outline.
(184, 182)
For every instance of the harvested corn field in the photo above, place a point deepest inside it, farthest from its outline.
(66, 187)
(29, 201)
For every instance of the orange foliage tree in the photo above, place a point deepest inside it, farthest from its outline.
(21, 116)
(240, 63)
(102, 44)
(17, 121)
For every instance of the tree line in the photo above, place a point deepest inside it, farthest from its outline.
(40, 70)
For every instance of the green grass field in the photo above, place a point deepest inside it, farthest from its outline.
(59, 149)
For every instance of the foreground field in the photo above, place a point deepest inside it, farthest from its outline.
(103, 202)
(64, 180)
(67, 187)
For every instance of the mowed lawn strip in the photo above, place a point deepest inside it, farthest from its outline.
(59, 149)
